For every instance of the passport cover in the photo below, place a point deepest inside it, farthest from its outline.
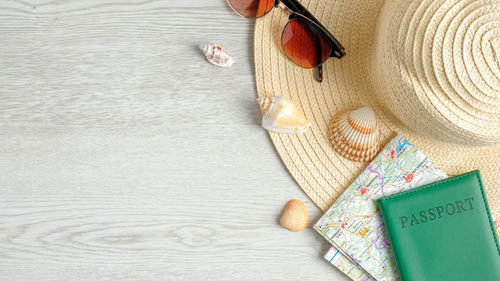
(443, 231)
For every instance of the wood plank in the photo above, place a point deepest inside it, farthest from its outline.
(125, 156)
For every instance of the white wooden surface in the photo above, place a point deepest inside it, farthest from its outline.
(125, 156)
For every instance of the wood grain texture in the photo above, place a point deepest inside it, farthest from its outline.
(125, 156)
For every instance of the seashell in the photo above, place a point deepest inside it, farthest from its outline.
(294, 216)
(216, 55)
(355, 134)
(279, 114)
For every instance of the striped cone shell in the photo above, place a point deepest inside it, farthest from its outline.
(216, 55)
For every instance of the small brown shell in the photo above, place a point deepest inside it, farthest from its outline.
(295, 217)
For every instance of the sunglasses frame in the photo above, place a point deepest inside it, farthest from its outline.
(297, 11)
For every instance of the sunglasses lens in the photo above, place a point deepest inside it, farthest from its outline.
(304, 43)
(252, 8)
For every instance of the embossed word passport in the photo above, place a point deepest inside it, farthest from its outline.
(443, 231)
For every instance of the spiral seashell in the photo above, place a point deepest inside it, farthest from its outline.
(355, 134)
(279, 114)
(295, 217)
(216, 55)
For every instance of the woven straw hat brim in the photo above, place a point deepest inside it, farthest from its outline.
(309, 157)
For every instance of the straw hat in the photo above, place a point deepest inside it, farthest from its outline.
(429, 69)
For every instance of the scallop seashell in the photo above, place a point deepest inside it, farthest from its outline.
(216, 55)
(295, 217)
(279, 114)
(355, 134)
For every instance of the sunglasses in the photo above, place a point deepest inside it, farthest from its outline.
(304, 40)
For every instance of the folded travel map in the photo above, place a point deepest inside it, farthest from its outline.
(353, 223)
(349, 268)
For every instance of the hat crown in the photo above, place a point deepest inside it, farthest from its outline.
(437, 67)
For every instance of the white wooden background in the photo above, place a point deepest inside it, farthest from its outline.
(125, 156)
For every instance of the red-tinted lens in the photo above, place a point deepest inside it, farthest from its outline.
(304, 43)
(251, 8)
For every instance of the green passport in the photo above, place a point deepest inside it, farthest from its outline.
(443, 231)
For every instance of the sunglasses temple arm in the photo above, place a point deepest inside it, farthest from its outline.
(318, 70)
(318, 73)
